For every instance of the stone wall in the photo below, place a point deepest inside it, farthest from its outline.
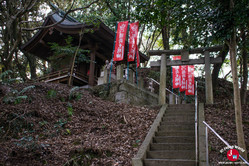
(122, 91)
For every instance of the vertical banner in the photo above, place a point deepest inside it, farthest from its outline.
(176, 73)
(133, 32)
(184, 75)
(120, 41)
(190, 81)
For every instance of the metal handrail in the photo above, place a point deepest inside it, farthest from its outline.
(225, 142)
(165, 88)
(196, 127)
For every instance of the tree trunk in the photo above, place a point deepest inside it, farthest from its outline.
(217, 67)
(165, 35)
(32, 65)
(236, 92)
(244, 71)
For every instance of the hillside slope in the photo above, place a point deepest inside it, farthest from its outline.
(51, 124)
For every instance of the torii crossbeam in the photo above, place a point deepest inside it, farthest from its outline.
(207, 60)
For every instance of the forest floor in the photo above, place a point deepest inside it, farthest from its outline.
(53, 124)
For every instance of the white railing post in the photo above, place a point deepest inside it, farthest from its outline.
(207, 160)
(196, 127)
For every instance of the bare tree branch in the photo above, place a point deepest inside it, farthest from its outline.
(156, 40)
(64, 17)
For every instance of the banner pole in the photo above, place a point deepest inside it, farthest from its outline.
(110, 76)
(136, 67)
(172, 78)
(128, 31)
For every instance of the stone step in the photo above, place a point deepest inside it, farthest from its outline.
(177, 113)
(176, 105)
(177, 123)
(168, 162)
(172, 154)
(187, 106)
(176, 133)
(175, 127)
(174, 139)
(170, 146)
(178, 118)
(181, 110)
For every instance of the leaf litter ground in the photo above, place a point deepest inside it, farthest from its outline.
(49, 128)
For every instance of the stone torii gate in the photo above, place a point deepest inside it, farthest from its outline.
(207, 60)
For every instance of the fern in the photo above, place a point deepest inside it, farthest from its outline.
(25, 89)
(17, 97)
(72, 92)
(5, 80)
(4, 74)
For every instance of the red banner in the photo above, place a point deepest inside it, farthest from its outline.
(184, 75)
(120, 41)
(190, 81)
(132, 41)
(176, 73)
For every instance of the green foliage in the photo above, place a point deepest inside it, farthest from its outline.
(68, 132)
(43, 123)
(60, 123)
(63, 53)
(75, 95)
(16, 124)
(51, 94)
(5, 79)
(15, 97)
(70, 109)
(31, 143)
(154, 74)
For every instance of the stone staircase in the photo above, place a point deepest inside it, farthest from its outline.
(174, 142)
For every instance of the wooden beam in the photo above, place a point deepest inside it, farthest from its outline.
(191, 51)
(101, 56)
(190, 62)
(57, 78)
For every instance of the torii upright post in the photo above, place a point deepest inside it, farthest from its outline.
(162, 91)
(208, 79)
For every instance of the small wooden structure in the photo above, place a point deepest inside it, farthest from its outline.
(207, 60)
(99, 42)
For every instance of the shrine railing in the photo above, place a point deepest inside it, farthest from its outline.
(54, 75)
(176, 96)
(64, 73)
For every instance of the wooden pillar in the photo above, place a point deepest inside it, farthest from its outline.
(162, 91)
(120, 72)
(208, 79)
(91, 80)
